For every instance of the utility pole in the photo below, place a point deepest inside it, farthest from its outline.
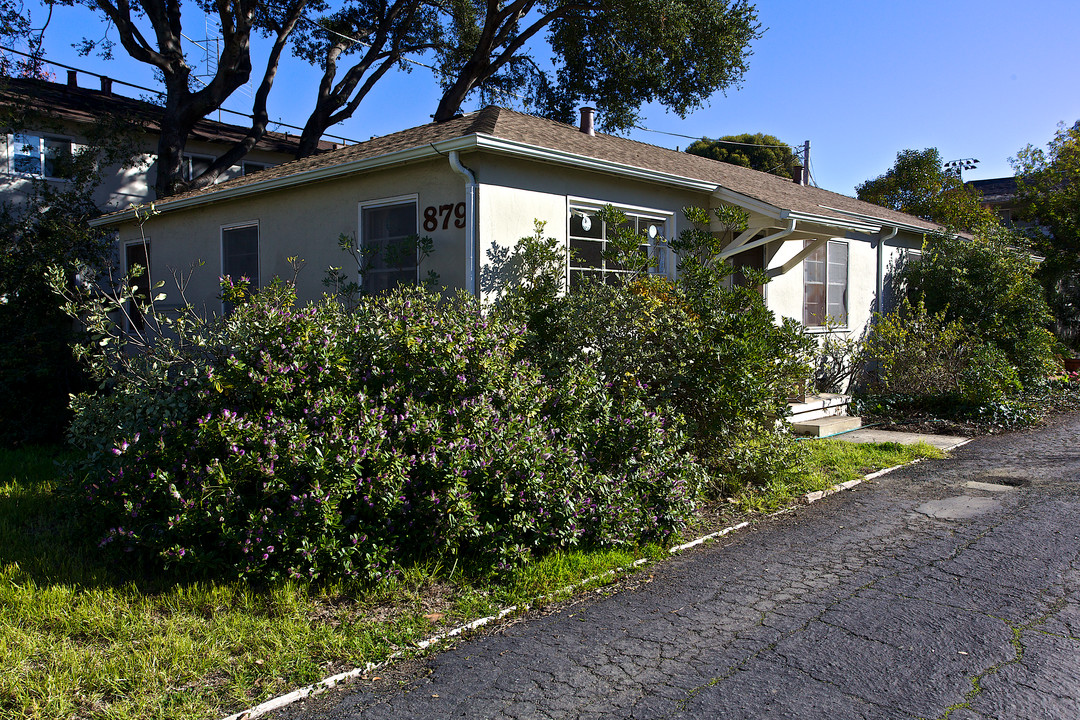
(806, 162)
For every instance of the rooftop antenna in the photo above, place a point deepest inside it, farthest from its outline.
(211, 51)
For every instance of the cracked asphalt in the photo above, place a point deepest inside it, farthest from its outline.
(944, 589)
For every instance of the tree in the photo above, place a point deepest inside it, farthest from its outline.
(151, 31)
(49, 227)
(756, 151)
(988, 283)
(616, 54)
(918, 185)
(391, 31)
(1048, 187)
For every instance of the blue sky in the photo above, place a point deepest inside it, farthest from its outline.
(860, 80)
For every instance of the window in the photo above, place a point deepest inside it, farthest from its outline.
(589, 239)
(192, 166)
(42, 155)
(253, 167)
(240, 255)
(388, 244)
(137, 254)
(825, 274)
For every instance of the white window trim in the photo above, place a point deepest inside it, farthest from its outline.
(665, 216)
(221, 249)
(414, 198)
(817, 329)
(42, 136)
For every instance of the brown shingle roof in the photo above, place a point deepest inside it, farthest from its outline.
(530, 130)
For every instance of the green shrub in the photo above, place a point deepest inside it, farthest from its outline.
(988, 283)
(914, 352)
(327, 443)
(695, 348)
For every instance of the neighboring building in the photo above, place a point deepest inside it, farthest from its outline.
(475, 184)
(1001, 196)
(56, 119)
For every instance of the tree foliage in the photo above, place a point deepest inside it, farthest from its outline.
(152, 32)
(988, 283)
(756, 151)
(553, 54)
(918, 185)
(1048, 185)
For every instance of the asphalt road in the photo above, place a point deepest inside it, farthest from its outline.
(945, 589)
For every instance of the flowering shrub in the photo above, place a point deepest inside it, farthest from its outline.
(325, 442)
(694, 348)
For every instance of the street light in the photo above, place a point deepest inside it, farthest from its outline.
(957, 167)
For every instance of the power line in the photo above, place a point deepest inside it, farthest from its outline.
(697, 137)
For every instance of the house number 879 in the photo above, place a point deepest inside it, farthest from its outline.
(432, 216)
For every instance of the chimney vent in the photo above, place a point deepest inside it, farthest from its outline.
(106, 85)
(797, 174)
(73, 78)
(587, 120)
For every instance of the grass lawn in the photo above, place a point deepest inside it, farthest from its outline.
(82, 640)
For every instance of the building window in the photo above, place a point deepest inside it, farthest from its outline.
(240, 255)
(250, 168)
(825, 273)
(137, 254)
(192, 166)
(388, 244)
(589, 236)
(41, 155)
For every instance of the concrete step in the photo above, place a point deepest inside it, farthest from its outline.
(818, 406)
(826, 426)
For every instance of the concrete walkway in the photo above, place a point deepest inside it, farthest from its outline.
(872, 435)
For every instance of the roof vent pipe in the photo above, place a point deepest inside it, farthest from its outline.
(587, 120)
(106, 85)
(73, 78)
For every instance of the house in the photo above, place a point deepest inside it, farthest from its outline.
(48, 122)
(474, 184)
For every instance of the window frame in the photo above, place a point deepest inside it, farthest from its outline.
(186, 158)
(827, 247)
(664, 218)
(225, 309)
(361, 206)
(42, 138)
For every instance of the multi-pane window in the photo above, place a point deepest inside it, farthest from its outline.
(825, 275)
(590, 240)
(41, 155)
(240, 255)
(388, 244)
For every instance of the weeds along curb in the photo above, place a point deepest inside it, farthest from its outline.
(334, 680)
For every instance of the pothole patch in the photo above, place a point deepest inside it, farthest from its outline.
(989, 486)
(960, 507)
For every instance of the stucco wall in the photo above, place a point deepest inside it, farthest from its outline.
(304, 222)
(785, 292)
